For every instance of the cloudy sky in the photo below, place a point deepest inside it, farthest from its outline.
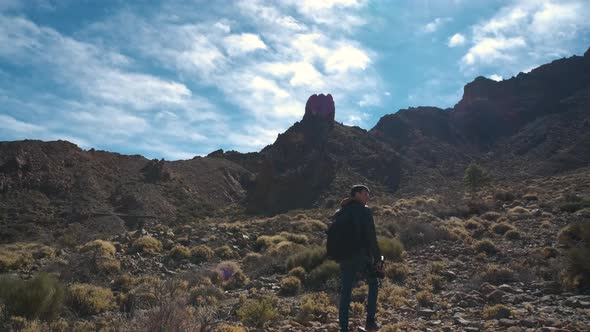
(177, 78)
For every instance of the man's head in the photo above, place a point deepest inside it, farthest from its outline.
(360, 193)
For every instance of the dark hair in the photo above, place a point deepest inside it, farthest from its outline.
(357, 188)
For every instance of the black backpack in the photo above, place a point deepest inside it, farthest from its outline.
(342, 236)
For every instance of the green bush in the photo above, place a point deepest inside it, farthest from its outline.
(392, 249)
(474, 177)
(308, 258)
(147, 244)
(322, 274)
(258, 312)
(41, 297)
(290, 285)
(88, 299)
(201, 253)
(573, 203)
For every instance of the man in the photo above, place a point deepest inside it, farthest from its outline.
(365, 255)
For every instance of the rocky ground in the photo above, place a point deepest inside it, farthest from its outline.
(488, 261)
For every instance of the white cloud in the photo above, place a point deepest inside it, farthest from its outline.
(495, 77)
(314, 5)
(265, 61)
(489, 50)
(527, 32)
(456, 40)
(436, 24)
(345, 58)
(262, 85)
(369, 100)
(301, 73)
(141, 91)
(243, 43)
(10, 124)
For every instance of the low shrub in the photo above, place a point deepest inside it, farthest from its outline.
(99, 247)
(485, 246)
(577, 274)
(435, 281)
(179, 252)
(395, 295)
(17, 255)
(396, 272)
(315, 306)
(298, 272)
(258, 312)
(41, 297)
(513, 235)
(490, 216)
(472, 224)
(424, 298)
(147, 244)
(201, 253)
(265, 241)
(225, 252)
(205, 295)
(502, 228)
(497, 311)
(437, 267)
(320, 276)
(88, 299)
(391, 248)
(308, 258)
(296, 238)
(224, 327)
(497, 275)
(229, 275)
(290, 285)
(573, 203)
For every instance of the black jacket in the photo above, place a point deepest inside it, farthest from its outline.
(362, 217)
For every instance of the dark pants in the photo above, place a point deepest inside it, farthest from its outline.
(351, 270)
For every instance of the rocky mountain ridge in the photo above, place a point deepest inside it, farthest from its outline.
(534, 124)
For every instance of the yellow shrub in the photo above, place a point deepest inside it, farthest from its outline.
(179, 252)
(147, 244)
(315, 306)
(259, 311)
(290, 285)
(99, 247)
(201, 253)
(89, 299)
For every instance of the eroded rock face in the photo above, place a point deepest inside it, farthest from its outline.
(320, 107)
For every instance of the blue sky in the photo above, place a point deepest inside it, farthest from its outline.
(173, 79)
